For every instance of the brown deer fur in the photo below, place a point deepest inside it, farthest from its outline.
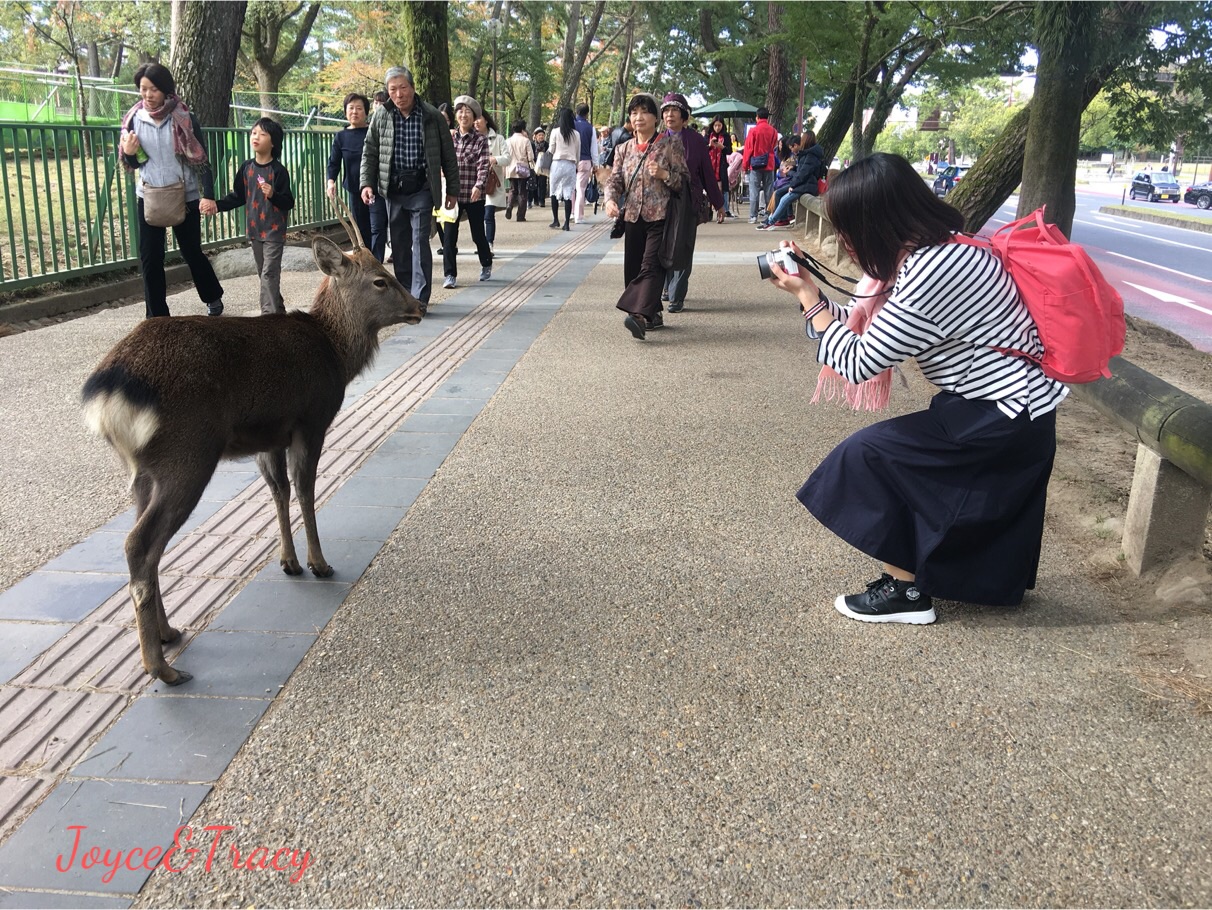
(178, 394)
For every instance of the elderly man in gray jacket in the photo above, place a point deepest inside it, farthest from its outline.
(407, 153)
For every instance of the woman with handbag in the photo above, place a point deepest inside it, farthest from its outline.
(471, 148)
(494, 192)
(646, 169)
(521, 166)
(719, 143)
(162, 141)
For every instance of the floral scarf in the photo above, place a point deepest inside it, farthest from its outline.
(186, 145)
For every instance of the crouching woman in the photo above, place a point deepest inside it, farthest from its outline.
(950, 499)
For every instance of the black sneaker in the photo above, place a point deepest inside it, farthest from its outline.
(888, 600)
(676, 307)
(656, 322)
(635, 325)
(215, 308)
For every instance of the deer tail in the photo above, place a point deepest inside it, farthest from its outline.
(121, 409)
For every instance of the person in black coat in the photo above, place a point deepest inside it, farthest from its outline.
(347, 150)
(809, 168)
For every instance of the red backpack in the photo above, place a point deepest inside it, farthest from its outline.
(1079, 315)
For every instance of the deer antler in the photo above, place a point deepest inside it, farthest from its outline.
(347, 221)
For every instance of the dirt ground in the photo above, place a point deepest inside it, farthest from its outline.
(1088, 498)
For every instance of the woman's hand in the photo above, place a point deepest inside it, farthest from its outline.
(800, 285)
(130, 143)
(207, 207)
(612, 209)
(660, 173)
(476, 194)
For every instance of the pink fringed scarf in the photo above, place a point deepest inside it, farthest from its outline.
(185, 144)
(873, 394)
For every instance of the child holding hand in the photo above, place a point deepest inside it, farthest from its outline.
(263, 185)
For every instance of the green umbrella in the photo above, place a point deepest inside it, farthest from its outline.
(727, 107)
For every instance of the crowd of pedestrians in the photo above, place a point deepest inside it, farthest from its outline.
(901, 491)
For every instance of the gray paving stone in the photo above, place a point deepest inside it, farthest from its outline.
(224, 486)
(115, 815)
(59, 596)
(470, 383)
(278, 603)
(389, 464)
(349, 556)
(439, 423)
(101, 552)
(434, 405)
(408, 441)
(37, 900)
(21, 642)
(184, 740)
(250, 664)
(394, 481)
(358, 522)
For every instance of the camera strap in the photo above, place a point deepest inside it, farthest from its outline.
(814, 269)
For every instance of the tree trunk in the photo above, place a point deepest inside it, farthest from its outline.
(573, 69)
(1065, 34)
(776, 83)
(712, 47)
(536, 45)
(477, 59)
(832, 132)
(267, 68)
(861, 85)
(119, 51)
(94, 60)
(204, 57)
(426, 36)
(618, 97)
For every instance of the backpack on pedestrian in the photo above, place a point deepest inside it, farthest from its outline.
(1080, 317)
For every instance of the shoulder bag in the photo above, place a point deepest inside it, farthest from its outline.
(164, 206)
(620, 223)
(544, 164)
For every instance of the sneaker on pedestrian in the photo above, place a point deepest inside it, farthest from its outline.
(786, 222)
(486, 273)
(888, 600)
(664, 296)
(656, 322)
(215, 308)
(676, 307)
(753, 221)
(448, 281)
(636, 325)
(764, 226)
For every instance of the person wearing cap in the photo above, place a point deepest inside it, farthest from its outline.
(675, 112)
(408, 152)
(471, 148)
(647, 169)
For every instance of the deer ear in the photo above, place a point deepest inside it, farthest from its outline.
(329, 257)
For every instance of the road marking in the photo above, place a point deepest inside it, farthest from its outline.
(1170, 298)
(1162, 267)
(1136, 233)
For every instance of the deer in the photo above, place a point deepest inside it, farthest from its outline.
(178, 394)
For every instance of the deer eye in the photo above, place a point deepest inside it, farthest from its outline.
(380, 283)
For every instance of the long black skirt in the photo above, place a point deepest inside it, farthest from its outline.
(954, 494)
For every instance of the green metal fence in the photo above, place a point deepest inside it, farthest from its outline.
(70, 208)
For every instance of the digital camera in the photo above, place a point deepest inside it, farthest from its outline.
(783, 258)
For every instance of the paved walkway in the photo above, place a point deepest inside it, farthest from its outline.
(579, 650)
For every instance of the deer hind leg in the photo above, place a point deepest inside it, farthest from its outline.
(304, 460)
(273, 469)
(164, 510)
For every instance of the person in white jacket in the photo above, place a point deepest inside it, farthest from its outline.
(520, 169)
(499, 152)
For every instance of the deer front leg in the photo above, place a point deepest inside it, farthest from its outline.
(304, 461)
(273, 469)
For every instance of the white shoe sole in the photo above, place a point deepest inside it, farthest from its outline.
(913, 617)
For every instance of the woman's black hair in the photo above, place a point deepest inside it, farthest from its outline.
(646, 102)
(274, 130)
(519, 126)
(881, 207)
(491, 123)
(159, 76)
(445, 111)
(564, 122)
(720, 121)
(354, 96)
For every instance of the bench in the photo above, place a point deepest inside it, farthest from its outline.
(814, 217)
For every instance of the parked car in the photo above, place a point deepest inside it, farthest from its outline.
(948, 177)
(1156, 187)
(1199, 194)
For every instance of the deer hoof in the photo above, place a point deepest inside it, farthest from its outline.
(292, 567)
(179, 676)
(324, 570)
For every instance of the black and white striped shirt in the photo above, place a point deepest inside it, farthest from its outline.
(951, 308)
